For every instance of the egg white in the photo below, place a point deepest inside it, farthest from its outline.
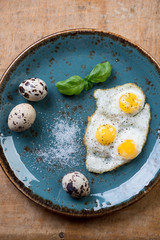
(101, 158)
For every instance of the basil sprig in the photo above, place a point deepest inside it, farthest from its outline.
(75, 84)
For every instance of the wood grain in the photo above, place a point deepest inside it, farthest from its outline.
(22, 23)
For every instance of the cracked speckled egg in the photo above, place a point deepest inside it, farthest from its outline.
(33, 89)
(21, 117)
(76, 184)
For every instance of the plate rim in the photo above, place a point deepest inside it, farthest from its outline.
(10, 174)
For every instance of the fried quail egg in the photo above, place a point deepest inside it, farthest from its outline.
(127, 99)
(100, 135)
(114, 137)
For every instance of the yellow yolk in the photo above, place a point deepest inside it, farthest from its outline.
(127, 149)
(129, 103)
(106, 134)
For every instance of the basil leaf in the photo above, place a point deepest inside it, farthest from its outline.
(71, 86)
(100, 73)
(87, 85)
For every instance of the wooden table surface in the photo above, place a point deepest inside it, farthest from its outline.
(22, 22)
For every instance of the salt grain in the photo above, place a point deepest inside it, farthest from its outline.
(64, 146)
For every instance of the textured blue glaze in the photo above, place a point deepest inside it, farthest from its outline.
(55, 61)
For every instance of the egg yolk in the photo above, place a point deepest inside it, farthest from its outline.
(127, 149)
(129, 103)
(106, 134)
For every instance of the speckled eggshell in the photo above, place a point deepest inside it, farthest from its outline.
(21, 117)
(76, 184)
(33, 89)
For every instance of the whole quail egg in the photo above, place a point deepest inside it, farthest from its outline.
(76, 184)
(21, 117)
(33, 89)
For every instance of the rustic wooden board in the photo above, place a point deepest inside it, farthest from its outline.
(22, 23)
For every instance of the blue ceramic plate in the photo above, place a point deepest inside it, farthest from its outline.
(37, 159)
